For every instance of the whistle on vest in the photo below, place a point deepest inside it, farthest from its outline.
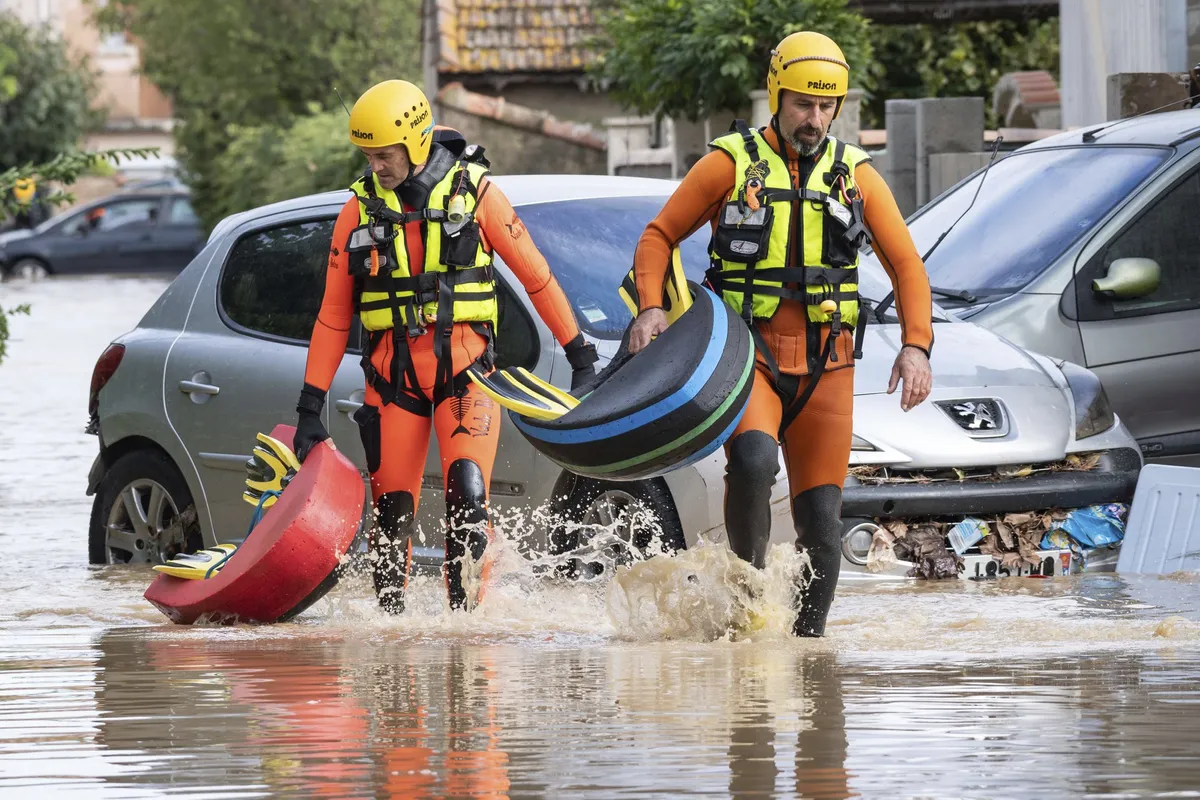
(374, 262)
(753, 187)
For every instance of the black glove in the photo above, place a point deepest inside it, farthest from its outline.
(581, 355)
(310, 431)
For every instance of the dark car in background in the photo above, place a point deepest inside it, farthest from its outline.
(140, 230)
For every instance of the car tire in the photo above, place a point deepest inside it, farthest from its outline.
(579, 501)
(143, 512)
(28, 269)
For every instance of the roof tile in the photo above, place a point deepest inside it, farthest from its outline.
(515, 35)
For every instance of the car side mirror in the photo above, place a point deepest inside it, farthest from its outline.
(1129, 279)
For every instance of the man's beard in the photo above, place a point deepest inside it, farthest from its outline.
(801, 146)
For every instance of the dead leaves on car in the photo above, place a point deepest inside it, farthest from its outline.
(875, 475)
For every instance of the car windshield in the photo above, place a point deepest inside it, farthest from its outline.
(589, 245)
(1032, 207)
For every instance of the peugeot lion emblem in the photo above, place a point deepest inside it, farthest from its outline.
(980, 418)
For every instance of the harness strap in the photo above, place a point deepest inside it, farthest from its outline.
(748, 141)
(793, 411)
(788, 195)
(809, 276)
(396, 392)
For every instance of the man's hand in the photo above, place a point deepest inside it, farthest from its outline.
(649, 323)
(912, 366)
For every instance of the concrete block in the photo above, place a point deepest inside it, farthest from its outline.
(901, 172)
(947, 169)
(846, 126)
(945, 125)
(1133, 93)
(1193, 32)
(760, 109)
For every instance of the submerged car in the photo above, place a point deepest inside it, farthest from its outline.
(147, 229)
(176, 403)
(1086, 247)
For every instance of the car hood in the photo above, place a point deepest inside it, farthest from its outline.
(964, 356)
(12, 236)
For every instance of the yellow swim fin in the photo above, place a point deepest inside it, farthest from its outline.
(520, 391)
(271, 467)
(677, 296)
(199, 565)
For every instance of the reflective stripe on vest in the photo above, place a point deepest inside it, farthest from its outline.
(379, 310)
(817, 226)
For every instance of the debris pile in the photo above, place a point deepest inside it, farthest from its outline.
(1012, 539)
(924, 545)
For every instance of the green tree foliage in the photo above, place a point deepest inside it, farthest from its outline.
(45, 95)
(267, 163)
(690, 59)
(961, 60)
(62, 169)
(236, 66)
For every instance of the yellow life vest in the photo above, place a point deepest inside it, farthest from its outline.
(754, 232)
(457, 266)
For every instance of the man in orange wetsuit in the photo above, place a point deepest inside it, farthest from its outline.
(412, 255)
(790, 207)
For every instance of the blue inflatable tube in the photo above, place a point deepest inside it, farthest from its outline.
(671, 405)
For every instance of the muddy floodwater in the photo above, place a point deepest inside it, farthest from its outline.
(1025, 688)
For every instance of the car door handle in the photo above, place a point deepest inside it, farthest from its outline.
(347, 406)
(195, 387)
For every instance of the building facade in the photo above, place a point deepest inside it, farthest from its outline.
(138, 113)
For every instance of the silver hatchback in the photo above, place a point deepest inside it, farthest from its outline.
(1086, 246)
(177, 401)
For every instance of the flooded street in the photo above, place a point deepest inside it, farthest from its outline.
(1024, 688)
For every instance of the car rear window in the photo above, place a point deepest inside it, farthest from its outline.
(589, 245)
(274, 279)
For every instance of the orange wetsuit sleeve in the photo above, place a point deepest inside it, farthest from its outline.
(695, 202)
(504, 232)
(332, 328)
(894, 246)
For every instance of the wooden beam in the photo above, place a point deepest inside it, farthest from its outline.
(895, 12)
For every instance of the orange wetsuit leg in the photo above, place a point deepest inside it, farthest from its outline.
(752, 462)
(816, 452)
(468, 434)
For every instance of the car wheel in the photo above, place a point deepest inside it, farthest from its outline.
(143, 512)
(28, 269)
(619, 521)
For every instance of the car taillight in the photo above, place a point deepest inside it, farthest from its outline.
(106, 366)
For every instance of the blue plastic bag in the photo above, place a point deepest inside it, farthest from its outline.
(1089, 528)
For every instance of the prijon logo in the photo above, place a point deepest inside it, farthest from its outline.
(418, 120)
(362, 135)
(826, 85)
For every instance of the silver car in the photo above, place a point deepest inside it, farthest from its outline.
(1086, 246)
(176, 402)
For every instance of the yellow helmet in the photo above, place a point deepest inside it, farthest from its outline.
(393, 112)
(24, 190)
(810, 63)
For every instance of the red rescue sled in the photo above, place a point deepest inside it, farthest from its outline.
(289, 560)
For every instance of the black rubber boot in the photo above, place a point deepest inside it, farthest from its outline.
(391, 541)
(817, 516)
(466, 510)
(749, 475)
